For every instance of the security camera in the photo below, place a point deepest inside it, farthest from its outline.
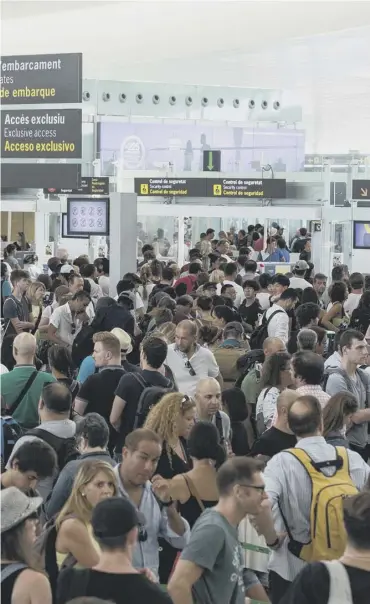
(204, 101)
(236, 103)
(172, 100)
(122, 97)
(86, 95)
(220, 102)
(251, 104)
(155, 99)
(139, 98)
(264, 104)
(188, 101)
(276, 105)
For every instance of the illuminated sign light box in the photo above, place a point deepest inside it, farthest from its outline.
(88, 216)
(41, 79)
(41, 133)
(211, 187)
(90, 185)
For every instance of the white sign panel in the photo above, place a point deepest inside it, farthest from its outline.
(88, 216)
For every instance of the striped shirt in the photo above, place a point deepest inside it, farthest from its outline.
(288, 484)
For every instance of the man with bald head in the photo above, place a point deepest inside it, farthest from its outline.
(188, 361)
(208, 400)
(279, 437)
(21, 388)
(289, 486)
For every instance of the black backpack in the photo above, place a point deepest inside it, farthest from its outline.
(219, 427)
(65, 448)
(150, 396)
(260, 334)
(246, 363)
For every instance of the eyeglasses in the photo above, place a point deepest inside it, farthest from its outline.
(260, 488)
(191, 368)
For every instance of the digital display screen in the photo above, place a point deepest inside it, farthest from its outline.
(88, 216)
(65, 233)
(361, 235)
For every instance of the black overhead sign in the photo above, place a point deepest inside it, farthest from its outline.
(41, 133)
(90, 185)
(211, 161)
(37, 79)
(211, 187)
(247, 187)
(361, 189)
(164, 187)
(37, 176)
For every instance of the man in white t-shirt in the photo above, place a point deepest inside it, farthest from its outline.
(188, 361)
(67, 320)
(298, 281)
(277, 317)
(231, 271)
(357, 283)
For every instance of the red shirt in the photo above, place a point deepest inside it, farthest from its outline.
(189, 281)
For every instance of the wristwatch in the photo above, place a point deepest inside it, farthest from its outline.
(166, 504)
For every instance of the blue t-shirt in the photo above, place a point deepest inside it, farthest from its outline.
(276, 256)
(87, 368)
(286, 254)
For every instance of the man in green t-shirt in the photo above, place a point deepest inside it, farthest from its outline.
(13, 384)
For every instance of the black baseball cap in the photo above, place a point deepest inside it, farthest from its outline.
(114, 517)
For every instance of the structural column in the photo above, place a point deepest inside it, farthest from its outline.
(123, 236)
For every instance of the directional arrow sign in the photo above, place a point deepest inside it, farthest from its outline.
(361, 189)
(211, 161)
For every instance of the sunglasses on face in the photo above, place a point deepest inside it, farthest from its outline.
(189, 366)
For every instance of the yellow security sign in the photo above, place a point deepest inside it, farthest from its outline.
(144, 189)
(217, 190)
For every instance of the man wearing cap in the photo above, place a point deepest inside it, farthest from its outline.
(97, 392)
(151, 497)
(116, 525)
(298, 281)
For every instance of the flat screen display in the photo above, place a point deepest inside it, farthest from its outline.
(65, 233)
(88, 216)
(361, 235)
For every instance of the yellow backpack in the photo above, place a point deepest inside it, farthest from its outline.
(328, 535)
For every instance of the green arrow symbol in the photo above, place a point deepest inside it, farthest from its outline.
(210, 164)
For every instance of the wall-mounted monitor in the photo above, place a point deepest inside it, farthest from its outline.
(65, 233)
(88, 216)
(361, 235)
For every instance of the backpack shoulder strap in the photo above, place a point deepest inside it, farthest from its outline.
(312, 467)
(219, 425)
(140, 379)
(340, 587)
(272, 316)
(23, 392)
(10, 569)
(51, 439)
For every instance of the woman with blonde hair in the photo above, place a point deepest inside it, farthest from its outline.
(172, 419)
(147, 285)
(337, 415)
(35, 295)
(94, 482)
(168, 331)
(217, 276)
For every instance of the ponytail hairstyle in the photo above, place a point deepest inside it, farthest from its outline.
(9, 250)
(145, 276)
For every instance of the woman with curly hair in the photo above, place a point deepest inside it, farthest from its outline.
(172, 419)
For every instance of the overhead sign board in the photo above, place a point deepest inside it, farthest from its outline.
(41, 79)
(211, 187)
(170, 187)
(361, 189)
(90, 185)
(37, 176)
(247, 187)
(41, 133)
(211, 161)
